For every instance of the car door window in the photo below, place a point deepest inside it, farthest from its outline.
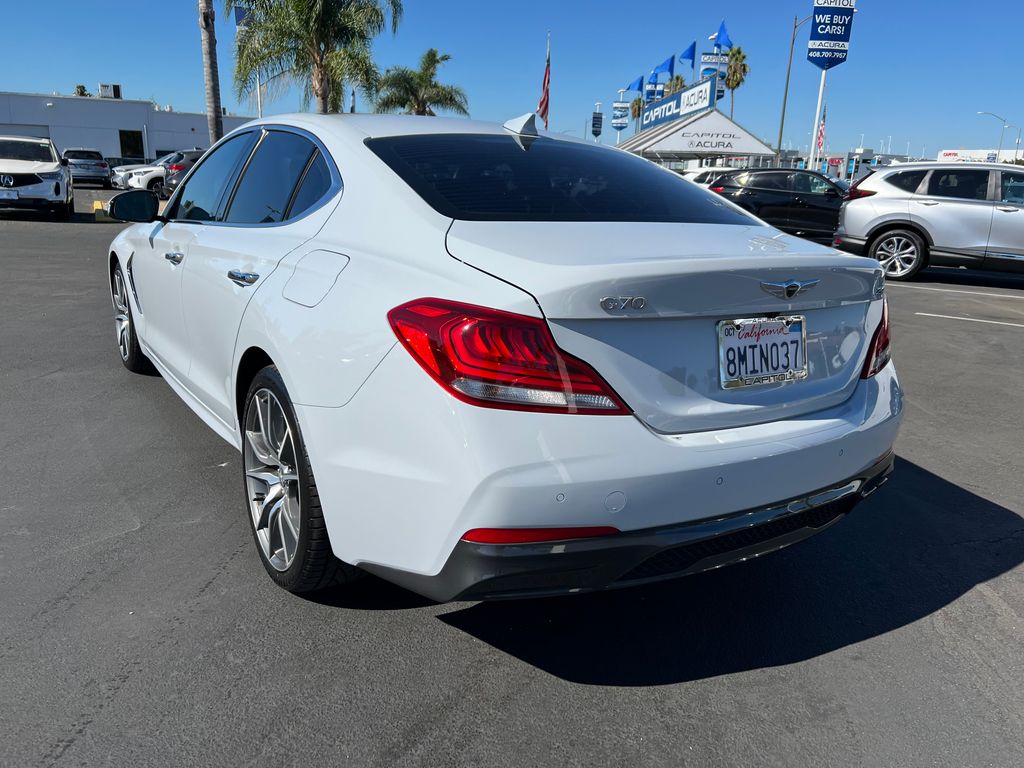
(314, 185)
(774, 180)
(815, 185)
(961, 183)
(200, 198)
(1011, 190)
(270, 178)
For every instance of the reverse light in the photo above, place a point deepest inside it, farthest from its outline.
(498, 359)
(879, 353)
(535, 535)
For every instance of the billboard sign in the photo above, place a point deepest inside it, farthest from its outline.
(620, 115)
(596, 122)
(831, 25)
(696, 98)
(715, 65)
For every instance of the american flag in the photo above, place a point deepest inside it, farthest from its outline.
(545, 96)
(821, 129)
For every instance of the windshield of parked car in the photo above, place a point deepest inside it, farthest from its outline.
(82, 154)
(31, 151)
(485, 177)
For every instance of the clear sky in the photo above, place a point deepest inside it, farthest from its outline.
(914, 71)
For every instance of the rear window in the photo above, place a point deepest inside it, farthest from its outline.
(908, 181)
(82, 154)
(26, 150)
(480, 177)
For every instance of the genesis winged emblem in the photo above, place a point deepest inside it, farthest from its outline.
(788, 289)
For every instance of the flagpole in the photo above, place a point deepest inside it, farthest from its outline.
(817, 117)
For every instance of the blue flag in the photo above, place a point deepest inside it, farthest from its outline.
(721, 37)
(690, 54)
(668, 65)
(636, 85)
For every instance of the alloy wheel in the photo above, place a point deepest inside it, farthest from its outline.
(271, 479)
(897, 254)
(122, 316)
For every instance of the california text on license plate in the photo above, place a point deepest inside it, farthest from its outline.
(762, 350)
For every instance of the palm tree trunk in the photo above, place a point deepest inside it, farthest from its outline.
(214, 118)
(321, 89)
(732, 101)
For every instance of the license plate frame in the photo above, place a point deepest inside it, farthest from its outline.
(732, 328)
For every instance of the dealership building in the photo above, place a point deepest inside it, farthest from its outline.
(116, 127)
(979, 155)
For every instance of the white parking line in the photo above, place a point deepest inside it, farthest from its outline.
(970, 319)
(950, 290)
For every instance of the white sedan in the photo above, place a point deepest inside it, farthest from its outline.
(482, 361)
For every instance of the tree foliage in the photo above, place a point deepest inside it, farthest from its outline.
(736, 71)
(417, 91)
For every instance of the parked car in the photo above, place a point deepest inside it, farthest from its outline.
(803, 203)
(152, 177)
(943, 214)
(704, 176)
(504, 395)
(88, 165)
(33, 175)
(177, 170)
(119, 174)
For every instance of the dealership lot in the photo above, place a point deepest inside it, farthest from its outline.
(139, 627)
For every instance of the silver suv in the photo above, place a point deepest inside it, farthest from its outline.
(945, 214)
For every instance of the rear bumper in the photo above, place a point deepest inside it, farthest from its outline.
(488, 571)
(856, 245)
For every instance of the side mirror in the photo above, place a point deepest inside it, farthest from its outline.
(64, 162)
(138, 205)
(830, 192)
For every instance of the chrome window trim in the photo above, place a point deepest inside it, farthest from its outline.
(337, 183)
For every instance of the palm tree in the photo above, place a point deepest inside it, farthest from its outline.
(676, 84)
(417, 92)
(323, 44)
(636, 108)
(736, 71)
(211, 76)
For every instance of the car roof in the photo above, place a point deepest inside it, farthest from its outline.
(928, 165)
(27, 139)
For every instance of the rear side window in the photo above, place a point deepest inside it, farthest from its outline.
(314, 185)
(201, 195)
(1012, 188)
(484, 177)
(269, 179)
(908, 181)
(956, 182)
(772, 180)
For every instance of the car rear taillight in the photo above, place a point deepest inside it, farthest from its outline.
(174, 168)
(855, 192)
(102, 165)
(717, 189)
(535, 535)
(497, 359)
(879, 352)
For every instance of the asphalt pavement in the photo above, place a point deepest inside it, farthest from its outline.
(138, 628)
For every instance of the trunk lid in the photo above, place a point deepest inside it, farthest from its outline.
(663, 357)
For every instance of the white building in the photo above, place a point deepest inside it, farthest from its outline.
(979, 155)
(115, 127)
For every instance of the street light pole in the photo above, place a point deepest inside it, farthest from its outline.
(1002, 127)
(785, 92)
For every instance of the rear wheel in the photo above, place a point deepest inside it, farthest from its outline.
(281, 495)
(901, 252)
(156, 186)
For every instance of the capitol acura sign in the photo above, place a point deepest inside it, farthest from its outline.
(710, 134)
(687, 101)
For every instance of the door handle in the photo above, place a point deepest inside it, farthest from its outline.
(174, 257)
(927, 202)
(243, 279)
(1006, 208)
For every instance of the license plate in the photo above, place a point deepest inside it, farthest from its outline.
(8, 194)
(762, 350)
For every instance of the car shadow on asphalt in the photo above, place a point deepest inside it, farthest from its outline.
(969, 278)
(917, 545)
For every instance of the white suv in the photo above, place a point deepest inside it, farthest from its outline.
(949, 214)
(33, 175)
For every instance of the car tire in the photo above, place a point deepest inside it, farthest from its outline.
(901, 252)
(107, 185)
(293, 544)
(155, 186)
(62, 211)
(132, 356)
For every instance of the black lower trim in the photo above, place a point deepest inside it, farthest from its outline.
(856, 245)
(489, 571)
